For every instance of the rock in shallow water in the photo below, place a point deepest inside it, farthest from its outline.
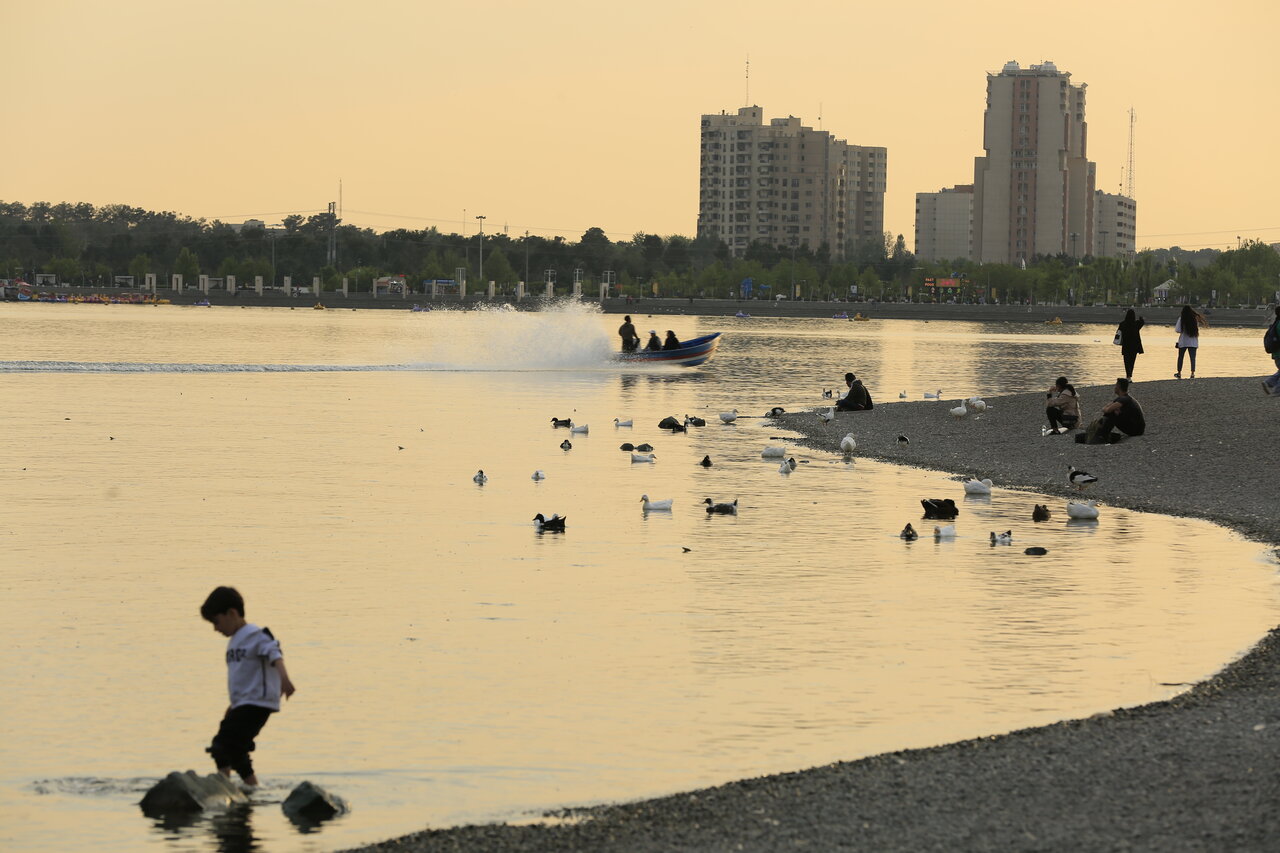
(312, 802)
(187, 793)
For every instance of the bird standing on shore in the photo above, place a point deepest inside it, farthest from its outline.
(959, 411)
(827, 415)
(848, 444)
(902, 439)
(1080, 479)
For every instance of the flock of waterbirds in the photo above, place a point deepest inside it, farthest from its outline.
(941, 509)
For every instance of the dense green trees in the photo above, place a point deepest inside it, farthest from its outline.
(81, 243)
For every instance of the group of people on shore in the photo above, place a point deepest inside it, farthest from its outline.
(631, 340)
(1188, 326)
(1118, 418)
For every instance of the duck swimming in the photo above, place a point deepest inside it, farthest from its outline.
(480, 478)
(1040, 513)
(1005, 538)
(939, 508)
(561, 422)
(714, 508)
(553, 524)
(566, 445)
(651, 506)
(909, 533)
(977, 487)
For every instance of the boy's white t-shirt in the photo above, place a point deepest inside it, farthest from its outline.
(251, 677)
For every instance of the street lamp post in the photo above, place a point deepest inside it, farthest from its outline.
(480, 219)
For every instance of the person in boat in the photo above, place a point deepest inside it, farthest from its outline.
(672, 342)
(627, 331)
(654, 344)
(858, 398)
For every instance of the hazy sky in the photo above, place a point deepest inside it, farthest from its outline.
(560, 115)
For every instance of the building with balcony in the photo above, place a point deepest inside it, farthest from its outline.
(787, 185)
(1033, 190)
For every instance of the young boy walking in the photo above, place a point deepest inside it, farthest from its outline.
(256, 677)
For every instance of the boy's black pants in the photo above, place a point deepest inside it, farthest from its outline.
(234, 740)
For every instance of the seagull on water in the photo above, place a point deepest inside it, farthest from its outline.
(1080, 479)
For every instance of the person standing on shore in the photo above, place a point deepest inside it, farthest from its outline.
(1190, 321)
(1272, 383)
(1130, 340)
(1062, 407)
(627, 331)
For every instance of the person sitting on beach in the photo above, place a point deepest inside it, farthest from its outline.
(654, 344)
(1063, 407)
(1122, 414)
(857, 399)
(627, 331)
(672, 342)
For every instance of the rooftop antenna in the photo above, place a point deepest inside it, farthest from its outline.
(1128, 177)
(748, 102)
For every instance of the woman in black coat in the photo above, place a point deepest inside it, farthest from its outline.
(1130, 340)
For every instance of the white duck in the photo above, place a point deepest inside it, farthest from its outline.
(959, 411)
(579, 430)
(1086, 510)
(785, 467)
(621, 423)
(848, 444)
(977, 404)
(729, 417)
(480, 478)
(936, 395)
(773, 451)
(538, 475)
(977, 487)
(947, 531)
(827, 415)
(643, 457)
(656, 506)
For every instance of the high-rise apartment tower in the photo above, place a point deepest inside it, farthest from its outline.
(787, 185)
(1034, 189)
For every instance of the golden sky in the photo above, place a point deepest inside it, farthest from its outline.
(561, 115)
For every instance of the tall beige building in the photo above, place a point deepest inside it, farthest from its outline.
(944, 224)
(1115, 218)
(785, 184)
(1033, 191)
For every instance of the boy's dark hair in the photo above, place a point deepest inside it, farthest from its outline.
(221, 600)
(1122, 383)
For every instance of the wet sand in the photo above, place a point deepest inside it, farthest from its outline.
(1198, 772)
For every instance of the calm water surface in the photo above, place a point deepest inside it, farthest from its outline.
(455, 665)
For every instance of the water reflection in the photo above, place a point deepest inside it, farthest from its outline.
(453, 664)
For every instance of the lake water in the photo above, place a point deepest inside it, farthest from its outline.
(452, 663)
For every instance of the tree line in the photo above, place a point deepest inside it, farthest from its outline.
(87, 245)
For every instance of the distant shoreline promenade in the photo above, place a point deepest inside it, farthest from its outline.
(727, 308)
(1200, 771)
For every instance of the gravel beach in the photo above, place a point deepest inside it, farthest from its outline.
(1198, 772)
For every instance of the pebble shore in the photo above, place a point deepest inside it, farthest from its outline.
(1200, 771)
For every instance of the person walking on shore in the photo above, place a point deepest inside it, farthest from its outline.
(1130, 340)
(1272, 383)
(1188, 327)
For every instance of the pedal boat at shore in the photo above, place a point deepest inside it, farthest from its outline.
(691, 353)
